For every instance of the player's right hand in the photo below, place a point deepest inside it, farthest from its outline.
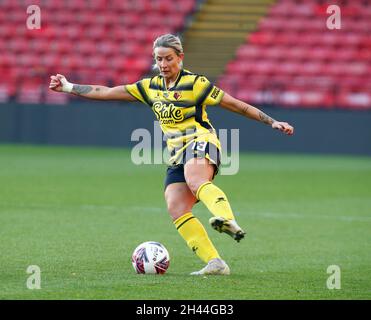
(59, 83)
(284, 127)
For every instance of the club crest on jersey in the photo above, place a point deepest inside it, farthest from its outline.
(177, 95)
(167, 114)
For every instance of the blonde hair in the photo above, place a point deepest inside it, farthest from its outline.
(168, 41)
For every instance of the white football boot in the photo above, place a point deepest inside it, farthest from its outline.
(230, 227)
(214, 267)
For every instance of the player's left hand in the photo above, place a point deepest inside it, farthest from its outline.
(284, 127)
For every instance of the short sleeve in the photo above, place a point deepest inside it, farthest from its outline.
(139, 90)
(206, 93)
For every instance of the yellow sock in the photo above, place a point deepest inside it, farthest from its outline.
(193, 232)
(215, 200)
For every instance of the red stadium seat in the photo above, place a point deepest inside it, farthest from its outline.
(72, 32)
(139, 65)
(290, 98)
(152, 34)
(75, 5)
(289, 68)
(107, 48)
(355, 100)
(52, 97)
(54, 5)
(28, 60)
(61, 46)
(137, 35)
(8, 60)
(85, 47)
(226, 86)
(266, 67)
(293, 53)
(185, 6)
(97, 62)
(4, 93)
(253, 95)
(17, 46)
(317, 98)
(313, 67)
(129, 77)
(72, 61)
(154, 20)
(129, 49)
(175, 20)
(30, 93)
(50, 60)
(95, 32)
(130, 19)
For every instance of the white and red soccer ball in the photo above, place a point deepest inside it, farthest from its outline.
(150, 258)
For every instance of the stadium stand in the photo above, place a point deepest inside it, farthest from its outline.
(98, 41)
(218, 28)
(265, 52)
(294, 60)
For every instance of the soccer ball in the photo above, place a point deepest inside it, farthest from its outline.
(150, 258)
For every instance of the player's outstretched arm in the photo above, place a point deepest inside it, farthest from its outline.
(235, 105)
(59, 83)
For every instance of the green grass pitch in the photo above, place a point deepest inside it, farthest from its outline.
(78, 213)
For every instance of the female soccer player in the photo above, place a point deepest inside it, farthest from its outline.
(179, 98)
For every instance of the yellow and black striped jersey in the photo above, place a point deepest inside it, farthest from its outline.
(181, 109)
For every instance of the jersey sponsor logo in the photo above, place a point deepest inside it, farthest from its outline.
(167, 114)
(215, 93)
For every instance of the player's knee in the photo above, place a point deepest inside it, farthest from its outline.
(175, 208)
(194, 184)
